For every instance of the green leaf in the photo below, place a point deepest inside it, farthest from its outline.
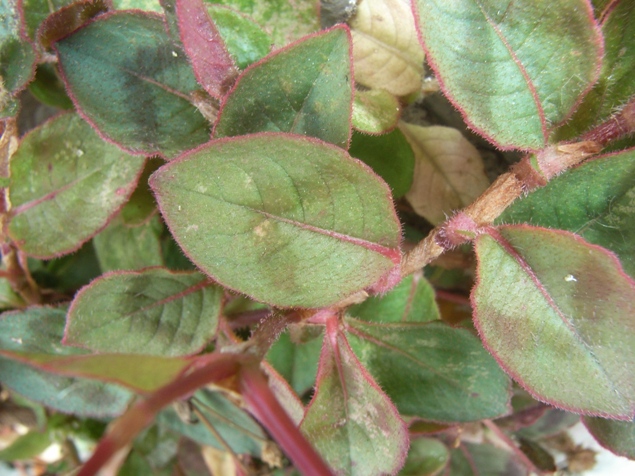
(285, 20)
(66, 182)
(291, 223)
(515, 69)
(449, 172)
(17, 55)
(145, 5)
(432, 371)
(412, 300)
(39, 330)
(142, 206)
(26, 447)
(153, 453)
(375, 111)
(350, 421)
(617, 79)
(594, 201)
(48, 88)
(146, 78)
(551, 423)
(389, 155)
(304, 88)
(151, 312)
(244, 39)
(36, 11)
(121, 247)
(233, 424)
(483, 460)
(296, 361)
(557, 312)
(427, 457)
(616, 436)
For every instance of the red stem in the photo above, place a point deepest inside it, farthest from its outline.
(217, 367)
(263, 405)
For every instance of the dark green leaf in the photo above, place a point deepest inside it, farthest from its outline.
(350, 421)
(616, 436)
(432, 371)
(412, 300)
(483, 460)
(553, 421)
(36, 11)
(66, 182)
(427, 457)
(389, 155)
(141, 205)
(304, 89)
(48, 88)
(594, 201)
(291, 223)
(153, 453)
(40, 330)
(557, 312)
(151, 312)
(128, 58)
(515, 69)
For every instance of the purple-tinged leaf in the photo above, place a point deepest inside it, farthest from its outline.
(515, 69)
(40, 329)
(144, 75)
(66, 183)
(351, 422)
(551, 423)
(293, 222)
(557, 314)
(67, 19)
(594, 200)
(36, 11)
(615, 436)
(151, 312)
(432, 371)
(304, 88)
(213, 66)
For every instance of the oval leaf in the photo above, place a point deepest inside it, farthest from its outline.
(375, 111)
(557, 313)
(144, 75)
(616, 436)
(350, 421)
(386, 50)
(66, 182)
(152, 312)
(595, 201)
(432, 371)
(449, 172)
(514, 69)
(304, 88)
(40, 329)
(293, 222)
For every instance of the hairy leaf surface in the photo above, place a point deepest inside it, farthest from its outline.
(431, 370)
(449, 173)
(557, 313)
(616, 436)
(516, 69)
(350, 421)
(304, 88)
(151, 312)
(128, 58)
(293, 222)
(595, 201)
(66, 182)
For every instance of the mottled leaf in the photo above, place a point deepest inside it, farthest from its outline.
(412, 300)
(144, 75)
(615, 436)
(389, 155)
(431, 370)
(350, 421)
(594, 201)
(205, 48)
(151, 312)
(386, 50)
(556, 312)
(36, 11)
(40, 329)
(427, 457)
(121, 247)
(244, 39)
(304, 88)
(294, 221)
(515, 69)
(68, 19)
(449, 172)
(285, 21)
(375, 111)
(66, 182)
